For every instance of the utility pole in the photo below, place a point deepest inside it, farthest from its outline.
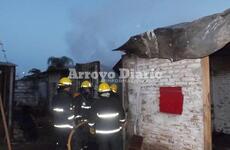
(3, 51)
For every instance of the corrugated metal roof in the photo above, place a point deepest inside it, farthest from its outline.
(188, 40)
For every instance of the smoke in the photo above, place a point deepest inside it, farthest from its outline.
(101, 27)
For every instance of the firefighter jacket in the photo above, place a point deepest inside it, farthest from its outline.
(62, 110)
(83, 105)
(107, 115)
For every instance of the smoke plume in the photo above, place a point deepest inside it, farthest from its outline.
(100, 28)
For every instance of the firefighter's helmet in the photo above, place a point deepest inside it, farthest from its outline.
(65, 81)
(104, 87)
(114, 88)
(86, 84)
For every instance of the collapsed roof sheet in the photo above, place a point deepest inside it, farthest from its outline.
(189, 40)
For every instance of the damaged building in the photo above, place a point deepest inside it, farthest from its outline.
(190, 101)
(7, 77)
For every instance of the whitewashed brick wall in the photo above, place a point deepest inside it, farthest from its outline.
(163, 131)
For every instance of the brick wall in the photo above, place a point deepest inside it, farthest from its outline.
(166, 131)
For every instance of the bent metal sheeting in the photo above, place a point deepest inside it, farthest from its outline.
(189, 40)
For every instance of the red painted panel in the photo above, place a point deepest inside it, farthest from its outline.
(171, 100)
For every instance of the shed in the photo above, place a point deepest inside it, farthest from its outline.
(183, 55)
(7, 78)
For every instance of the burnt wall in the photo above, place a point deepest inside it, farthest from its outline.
(31, 92)
(220, 89)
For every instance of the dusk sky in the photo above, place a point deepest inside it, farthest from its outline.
(86, 30)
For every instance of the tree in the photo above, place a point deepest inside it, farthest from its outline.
(59, 62)
(34, 71)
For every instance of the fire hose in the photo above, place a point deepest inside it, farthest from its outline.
(72, 132)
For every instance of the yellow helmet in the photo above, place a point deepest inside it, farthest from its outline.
(65, 81)
(113, 88)
(104, 87)
(86, 84)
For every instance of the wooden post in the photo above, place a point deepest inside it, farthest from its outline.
(5, 124)
(206, 103)
(11, 91)
(123, 105)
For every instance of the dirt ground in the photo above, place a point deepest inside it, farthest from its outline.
(45, 141)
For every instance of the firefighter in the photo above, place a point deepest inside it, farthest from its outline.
(84, 100)
(83, 104)
(62, 112)
(106, 119)
(114, 90)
